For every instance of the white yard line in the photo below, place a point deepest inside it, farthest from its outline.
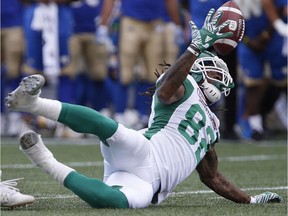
(182, 193)
(100, 163)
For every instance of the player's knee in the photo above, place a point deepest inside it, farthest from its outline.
(138, 192)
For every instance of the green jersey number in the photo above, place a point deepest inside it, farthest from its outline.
(196, 126)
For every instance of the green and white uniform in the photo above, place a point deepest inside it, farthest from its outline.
(177, 138)
(181, 134)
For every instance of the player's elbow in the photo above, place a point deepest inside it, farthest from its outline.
(163, 97)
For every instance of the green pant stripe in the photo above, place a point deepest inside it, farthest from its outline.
(86, 120)
(95, 192)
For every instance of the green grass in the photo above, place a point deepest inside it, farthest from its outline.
(253, 167)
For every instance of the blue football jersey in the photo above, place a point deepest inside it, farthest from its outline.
(11, 13)
(144, 10)
(84, 15)
(199, 9)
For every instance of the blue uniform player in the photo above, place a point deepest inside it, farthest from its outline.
(89, 57)
(140, 43)
(47, 29)
(12, 51)
(262, 45)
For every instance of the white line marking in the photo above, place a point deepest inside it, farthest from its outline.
(244, 189)
(100, 163)
(173, 194)
(253, 158)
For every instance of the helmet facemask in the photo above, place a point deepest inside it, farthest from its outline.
(212, 75)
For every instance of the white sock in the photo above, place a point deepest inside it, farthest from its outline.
(43, 158)
(48, 108)
(255, 122)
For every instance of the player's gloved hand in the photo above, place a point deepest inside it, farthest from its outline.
(210, 32)
(266, 197)
(101, 34)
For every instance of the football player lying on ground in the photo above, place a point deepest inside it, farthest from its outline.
(141, 168)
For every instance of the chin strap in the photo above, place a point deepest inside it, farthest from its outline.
(211, 92)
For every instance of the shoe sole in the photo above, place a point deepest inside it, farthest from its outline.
(31, 85)
(29, 139)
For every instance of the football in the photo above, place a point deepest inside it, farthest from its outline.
(230, 11)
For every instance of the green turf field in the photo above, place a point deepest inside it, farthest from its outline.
(253, 167)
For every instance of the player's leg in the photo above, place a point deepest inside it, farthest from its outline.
(65, 82)
(128, 150)
(93, 191)
(96, 58)
(251, 120)
(81, 119)
(128, 57)
(152, 58)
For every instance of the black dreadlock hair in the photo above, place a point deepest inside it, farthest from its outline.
(151, 90)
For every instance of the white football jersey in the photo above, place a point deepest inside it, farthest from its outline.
(181, 133)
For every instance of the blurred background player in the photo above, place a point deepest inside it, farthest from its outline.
(12, 51)
(88, 55)
(47, 28)
(259, 53)
(173, 36)
(198, 10)
(140, 39)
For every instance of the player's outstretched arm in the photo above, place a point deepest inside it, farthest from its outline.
(212, 178)
(171, 88)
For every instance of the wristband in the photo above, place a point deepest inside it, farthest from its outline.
(252, 200)
(193, 49)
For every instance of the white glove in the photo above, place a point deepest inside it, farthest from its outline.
(266, 197)
(101, 34)
(281, 27)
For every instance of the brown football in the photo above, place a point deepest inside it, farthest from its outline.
(230, 11)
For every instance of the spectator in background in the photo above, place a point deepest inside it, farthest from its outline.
(198, 10)
(47, 28)
(173, 37)
(262, 44)
(12, 51)
(89, 56)
(276, 18)
(141, 33)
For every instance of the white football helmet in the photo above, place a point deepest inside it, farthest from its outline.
(212, 75)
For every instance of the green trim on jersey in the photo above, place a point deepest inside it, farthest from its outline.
(164, 112)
